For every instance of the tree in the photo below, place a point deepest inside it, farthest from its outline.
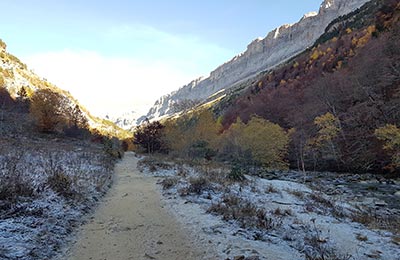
(390, 135)
(266, 142)
(328, 130)
(78, 119)
(193, 135)
(48, 108)
(149, 136)
(206, 128)
(77, 123)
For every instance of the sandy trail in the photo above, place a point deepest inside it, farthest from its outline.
(131, 223)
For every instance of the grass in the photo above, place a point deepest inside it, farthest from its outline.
(71, 170)
(169, 182)
(13, 183)
(246, 213)
(375, 220)
(317, 247)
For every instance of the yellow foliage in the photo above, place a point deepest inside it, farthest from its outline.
(349, 30)
(364, 39)
(328, 126)
(207, 128)
(334, 39)
(267, 142)
(371, 29)
(295, 65)
(315, 55)
(2, 82)
(181, 133)
(282, 82)
(329, 49)
(47, 108)
(390, 134)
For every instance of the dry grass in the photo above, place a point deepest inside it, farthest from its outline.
(244, 212)
(169, 182)
(317, 247)
(377, 220)
(299, 194)
(13, 183)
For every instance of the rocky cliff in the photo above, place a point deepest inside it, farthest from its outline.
(261, 54)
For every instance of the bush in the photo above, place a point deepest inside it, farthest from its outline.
(245, 212)
(237, 173)
(168, 183)
(200, 149)
(198, 185)
(62, 184)
(13, 184)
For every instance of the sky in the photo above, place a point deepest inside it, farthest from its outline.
(121, 56)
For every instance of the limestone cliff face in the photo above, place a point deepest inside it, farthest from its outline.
(261, 54)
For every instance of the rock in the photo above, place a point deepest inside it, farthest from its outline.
(374, 254)
(397, 193)
(253, 257)
(380, 203)
(261, 54)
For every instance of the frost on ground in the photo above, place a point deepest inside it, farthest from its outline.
(260, 218)
(46, 186)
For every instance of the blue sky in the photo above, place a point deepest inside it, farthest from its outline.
(139, 49)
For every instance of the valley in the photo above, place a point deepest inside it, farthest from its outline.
(290, 150)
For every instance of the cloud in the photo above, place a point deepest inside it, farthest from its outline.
(129, 67)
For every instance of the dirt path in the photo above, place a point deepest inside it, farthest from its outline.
(132, 224)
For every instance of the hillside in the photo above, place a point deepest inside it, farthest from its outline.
(352, 73)
(56, 162)
(333, 107)
(261, 54)
(21, 83)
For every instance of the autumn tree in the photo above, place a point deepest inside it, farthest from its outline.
(390, 135)
(149, 136)
(265, 141)
(193, 135)
(324, 143)
(48, 109)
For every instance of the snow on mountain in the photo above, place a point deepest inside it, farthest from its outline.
(126, 120)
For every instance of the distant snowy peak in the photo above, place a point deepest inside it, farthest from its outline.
(126, 120)
(261, 54)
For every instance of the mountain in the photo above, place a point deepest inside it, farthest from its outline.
(18, 80)
(126, 120)
(261, 54)
(349, 80)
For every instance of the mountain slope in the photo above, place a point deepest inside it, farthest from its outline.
(262, 54)
(16, 77)
(350, 78)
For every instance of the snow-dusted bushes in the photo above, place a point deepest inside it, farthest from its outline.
(269, 218)
(45, 189)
